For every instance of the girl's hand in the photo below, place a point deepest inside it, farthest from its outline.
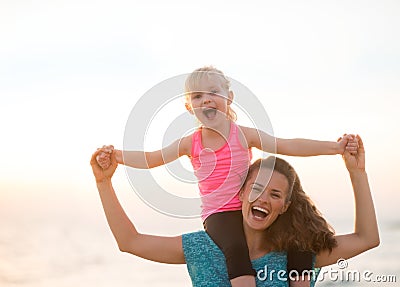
(100, 173)
(348, 143)
(355, 162)
(104, 159)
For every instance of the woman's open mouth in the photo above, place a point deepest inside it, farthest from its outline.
(259, 212)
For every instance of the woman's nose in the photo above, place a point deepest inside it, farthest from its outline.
(264, 198)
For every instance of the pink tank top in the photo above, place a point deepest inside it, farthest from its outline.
(220, 173)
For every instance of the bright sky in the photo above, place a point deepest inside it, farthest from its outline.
(71, 71)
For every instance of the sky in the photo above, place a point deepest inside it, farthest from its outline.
(72, 71)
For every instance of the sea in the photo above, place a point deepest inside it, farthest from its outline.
(59, 237)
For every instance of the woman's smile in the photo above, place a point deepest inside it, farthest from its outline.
(259, 212)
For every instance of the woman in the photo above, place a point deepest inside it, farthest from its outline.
(269, 218)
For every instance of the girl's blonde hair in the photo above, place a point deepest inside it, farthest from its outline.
(192, 82)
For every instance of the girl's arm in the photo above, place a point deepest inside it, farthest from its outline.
(307, 147)
(366, 234)
(295, 147)
(145, 160)
(155, 248)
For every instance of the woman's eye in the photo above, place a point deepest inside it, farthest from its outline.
(254, 194)
(275, 195)
(256, 190)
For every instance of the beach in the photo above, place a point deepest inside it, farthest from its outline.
(59, 238)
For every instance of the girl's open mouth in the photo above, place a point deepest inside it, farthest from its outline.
(210, 113)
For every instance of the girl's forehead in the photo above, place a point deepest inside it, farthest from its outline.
(205, 82)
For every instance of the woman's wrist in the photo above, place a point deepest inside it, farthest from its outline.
(103, 182)
(357, 173)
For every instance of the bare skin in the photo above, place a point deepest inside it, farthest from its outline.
(169, 249)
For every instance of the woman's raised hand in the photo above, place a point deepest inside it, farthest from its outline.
(104, 157)
(103, 174)
(355, 162)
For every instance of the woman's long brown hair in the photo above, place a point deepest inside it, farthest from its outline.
(302, 226)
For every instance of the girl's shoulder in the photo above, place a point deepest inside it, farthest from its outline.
(246, 130)
(185, 144)
(246, 135)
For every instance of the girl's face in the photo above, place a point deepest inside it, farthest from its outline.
(270, 199)
(210, 101)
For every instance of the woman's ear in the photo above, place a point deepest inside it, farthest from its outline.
(285, 207)
(189, 108)
(241, 195)
(230, 97)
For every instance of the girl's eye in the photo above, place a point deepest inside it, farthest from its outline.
(196, 96)
(276, 195)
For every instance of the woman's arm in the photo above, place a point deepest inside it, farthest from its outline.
(155, 248)
(366, 234)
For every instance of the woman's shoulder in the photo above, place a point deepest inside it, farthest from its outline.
(199, 242)
(204, 260)
(207, 267)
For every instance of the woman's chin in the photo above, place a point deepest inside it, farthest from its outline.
(256, 223)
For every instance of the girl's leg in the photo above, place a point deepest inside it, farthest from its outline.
(226, 230)
(297, 262)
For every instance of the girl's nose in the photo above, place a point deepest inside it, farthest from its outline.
(206, 98)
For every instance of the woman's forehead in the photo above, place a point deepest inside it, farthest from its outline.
(266, 177)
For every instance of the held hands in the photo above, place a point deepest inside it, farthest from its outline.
(355, 161)
(348, 143)
(103, 174)
(104, 156)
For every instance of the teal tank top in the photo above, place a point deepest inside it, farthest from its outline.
(206, 264)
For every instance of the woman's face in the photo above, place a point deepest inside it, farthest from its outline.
(271, 202)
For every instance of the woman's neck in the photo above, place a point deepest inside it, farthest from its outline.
(257, 242)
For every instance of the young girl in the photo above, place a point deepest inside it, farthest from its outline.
(220, 154)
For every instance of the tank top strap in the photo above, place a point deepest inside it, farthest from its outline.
(234, 136)
(196, 143)
(233, 133)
